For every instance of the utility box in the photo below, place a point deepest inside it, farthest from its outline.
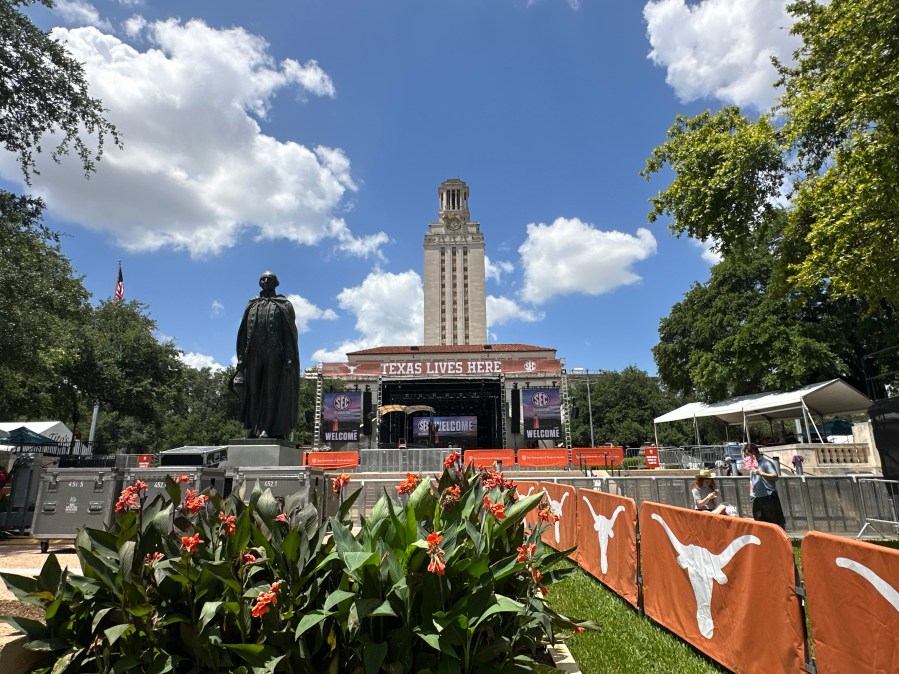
(197, 479)
(69, 499)
(284, 482)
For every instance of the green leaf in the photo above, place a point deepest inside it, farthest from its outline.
(337, 597)
(310, 620)
(20, 586)
(268, 506)
(503, 605)
(98, 618)
(374, 655)
(30, 628)
(113, 633)
(208, 612)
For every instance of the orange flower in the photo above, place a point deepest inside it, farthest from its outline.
(228, 522)
(182, 478)
(282, 518)
(408, 485)
(262, 603)
(247, 558)
(194, 503)
(152, 557)
(140, 486)
(526, 551)
(191, 543)
(451, 460)
(127, 499)
(434, 539)
(340, 482)
(498, 510)
(545, 512)
(437, 564)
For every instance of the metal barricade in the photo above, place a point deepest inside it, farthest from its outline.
(283, 482)
(412, 460)
(198, 478)
(880, 505)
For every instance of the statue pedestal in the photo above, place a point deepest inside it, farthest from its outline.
(262, 452)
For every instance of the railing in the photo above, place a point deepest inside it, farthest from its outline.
(841, 454)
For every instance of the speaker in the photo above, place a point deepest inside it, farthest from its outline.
(366, 413)
(516, 410)
(885, 425)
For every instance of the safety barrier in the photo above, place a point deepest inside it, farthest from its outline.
(543, 458)
(489, 458)
(597, 457)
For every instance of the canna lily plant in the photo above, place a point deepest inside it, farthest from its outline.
(442, 577)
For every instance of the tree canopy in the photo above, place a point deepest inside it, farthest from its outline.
(831, 146)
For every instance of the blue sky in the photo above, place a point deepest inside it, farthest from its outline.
(309, 138)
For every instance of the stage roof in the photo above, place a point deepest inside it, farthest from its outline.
(826, 398)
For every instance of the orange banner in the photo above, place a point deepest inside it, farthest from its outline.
(607, 540)
(853, 603)
(597, 457)
(486, 458)
(563, 500)
(525, 488)
(543, 458)
(725, 585)
(331, 460)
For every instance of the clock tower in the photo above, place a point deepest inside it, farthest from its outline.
(454, 285)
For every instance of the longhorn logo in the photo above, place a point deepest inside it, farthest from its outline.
(883, 588)
(557, 510)
(703, 568)
(351, 368)
(603, 528)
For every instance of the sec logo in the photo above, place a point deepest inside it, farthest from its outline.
(540, 399)
(342, 402)
(530, 366)
(423, 425)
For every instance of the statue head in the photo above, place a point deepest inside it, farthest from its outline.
(268, 281)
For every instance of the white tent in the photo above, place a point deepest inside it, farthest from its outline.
(55, 430)
(826, 398)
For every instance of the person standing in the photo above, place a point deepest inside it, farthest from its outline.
(267, 377)
(763, 477)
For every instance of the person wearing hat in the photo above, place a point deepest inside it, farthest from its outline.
(763, 476)
(705, 493)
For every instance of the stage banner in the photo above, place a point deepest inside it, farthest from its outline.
(473, 367)
(563, 501)
(853, 603)
(607, 540)
(523, 489)
(724, 584)
(448, 431)
(543, 458)
(542, 413)
(341, 416)
(597, 457)
(331, 460)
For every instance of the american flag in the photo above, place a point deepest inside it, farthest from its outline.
(119, 294)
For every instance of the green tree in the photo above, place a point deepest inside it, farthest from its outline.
(44, 94)
(832, 144)
(745, 331)
(624, 405)
(205, 411)
(42, 306)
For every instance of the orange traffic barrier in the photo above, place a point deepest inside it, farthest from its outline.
(331, 460)
(607, 540)
(725, 585)
(563, 500)
(600, 457)
(543, 458)
(524, 488)
(853, 603)
(487, 458)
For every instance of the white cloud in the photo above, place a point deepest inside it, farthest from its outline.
(570, 256)
(495, 270)
(197, 172)
(217, 308)
(709, 255)
(502, 310)
(198, 361)
(79, 13)
(389, 310)
(720, 48)
(306, 311)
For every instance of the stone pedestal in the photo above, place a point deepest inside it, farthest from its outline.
(262, 452)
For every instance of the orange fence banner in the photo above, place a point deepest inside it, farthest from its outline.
(725, 585)
(523, 489)
(563, 500)
(853, 603)
(331, 460)
(487, 458)
(597, 456)
(607, 540)
(652, 457)
(543, 458)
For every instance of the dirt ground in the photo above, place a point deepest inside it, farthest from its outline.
(26, 559)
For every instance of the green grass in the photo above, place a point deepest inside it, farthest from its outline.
(627, 641)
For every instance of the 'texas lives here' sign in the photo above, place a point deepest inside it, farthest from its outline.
(444, 368)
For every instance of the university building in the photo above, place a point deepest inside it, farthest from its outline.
(455, 390)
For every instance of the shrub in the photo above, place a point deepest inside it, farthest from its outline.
(442, 577)
(633, 462)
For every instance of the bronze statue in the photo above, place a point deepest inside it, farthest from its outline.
(267, 377)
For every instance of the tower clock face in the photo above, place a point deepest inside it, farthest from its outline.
(453, 222)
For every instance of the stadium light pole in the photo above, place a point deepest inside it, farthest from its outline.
(586, 373)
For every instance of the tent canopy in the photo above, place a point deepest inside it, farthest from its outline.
(24, 436)
(55, 430)
(826, 398)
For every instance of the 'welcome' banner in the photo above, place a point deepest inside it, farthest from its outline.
(541, 413)
(341, 416)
